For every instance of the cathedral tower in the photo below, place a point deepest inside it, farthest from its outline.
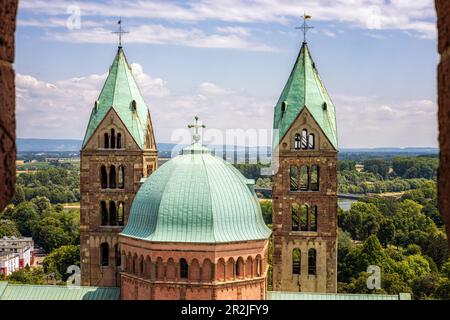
(118, 150)
(305, 183)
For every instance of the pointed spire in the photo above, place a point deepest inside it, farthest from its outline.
(305, 89)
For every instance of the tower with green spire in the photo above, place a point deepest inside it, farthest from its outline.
(118, 150)
(305, 147)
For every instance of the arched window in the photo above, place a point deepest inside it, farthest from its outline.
(118, 256)
(112, 177)
(294, 178)
(113, 139)
(119, 140)
(297, 141)
(104, 213)
(141, 266)
(295, 217)
(258, 266)
(304, 212)
(304, 139)
(240, 267)
(104, 254)
(106, 140)
(315, 178)
(311, 142)
(121, 177)
(313, 219)
(184, 269)
(112, 213)
(103, 178)
(121, 214)
(312, 261)
(149, 169)
(296, 262)
(135, 264)
(304, 178)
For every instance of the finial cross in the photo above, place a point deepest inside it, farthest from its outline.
(305, 27)
(120, 32)
(196, 126)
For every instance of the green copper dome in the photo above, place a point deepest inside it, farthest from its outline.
(196, 197)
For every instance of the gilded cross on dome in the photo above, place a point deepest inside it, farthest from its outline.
(197, 126)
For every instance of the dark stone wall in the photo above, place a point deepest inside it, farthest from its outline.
(443, 13)
(8, 10)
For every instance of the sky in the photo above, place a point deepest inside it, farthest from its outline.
(227, 61)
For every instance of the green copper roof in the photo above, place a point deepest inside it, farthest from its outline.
(199, 198)
(282, 295)
(304, 89)
(118, 92)
(48, 292)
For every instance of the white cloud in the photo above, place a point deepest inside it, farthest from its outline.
(61, 110)
(414, 16)
(159, 34)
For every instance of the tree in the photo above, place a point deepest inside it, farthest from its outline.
(60, 259)
(8, 228)
(266, 208)
(27, 276)
(50, 234)
(425, 287)
(26, 217)
(386, 233)
(42, 204)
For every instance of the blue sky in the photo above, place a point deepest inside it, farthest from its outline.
(228, 60)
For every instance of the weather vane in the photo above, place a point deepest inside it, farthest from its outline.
(196, 126)
(305, 27)
(120, 32)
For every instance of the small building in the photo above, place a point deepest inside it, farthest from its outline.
(22, 246)
(9, 262)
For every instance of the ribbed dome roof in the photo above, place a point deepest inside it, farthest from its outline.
(196, 197)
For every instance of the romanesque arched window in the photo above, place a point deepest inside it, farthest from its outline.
(240, 267)
(311, 141)
(312, 261)
(249, 267)
(206, 270)
(104, 254)
(315, 178)
(304, 139)
(141, 266)
(112, 177)
(119, 140)
(121, 177)
(103, 178)
(313, 219)
(295, 217)
(118, 256)
(104, 213)
(258, 266)
(294, 178)
(113, 139)
(221, 270)
(184, 269)
(296, 262)
(231, 269)
(106, 140)
(121, 214)
(304, 217)
(304, 178)
(297, 141)
(112, 213)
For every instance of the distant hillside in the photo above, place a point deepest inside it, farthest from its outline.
(72, 145)
(47, 145)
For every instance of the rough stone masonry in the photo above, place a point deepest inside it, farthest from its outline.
(8, 10)
(443, 23)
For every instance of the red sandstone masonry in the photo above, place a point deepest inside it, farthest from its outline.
(8, 10)
(443, 23)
